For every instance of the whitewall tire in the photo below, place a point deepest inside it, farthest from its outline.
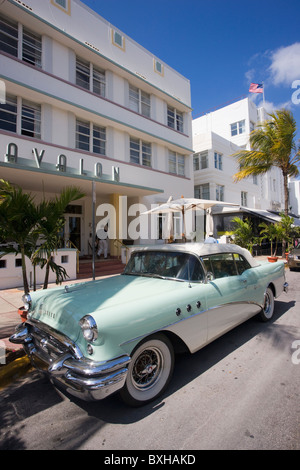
(149, 371)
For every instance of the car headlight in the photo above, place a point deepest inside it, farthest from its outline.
(26, 298)
(89, 328)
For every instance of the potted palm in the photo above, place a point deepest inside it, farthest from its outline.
(51, 222)
(286, 223)
(243, 233)
(274, 233)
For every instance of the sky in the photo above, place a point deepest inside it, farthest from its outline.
(221, 46)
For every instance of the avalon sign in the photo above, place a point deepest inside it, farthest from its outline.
(12, 157)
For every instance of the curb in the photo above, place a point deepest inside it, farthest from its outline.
(14, 370)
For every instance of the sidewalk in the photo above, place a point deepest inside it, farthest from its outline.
(10, 301)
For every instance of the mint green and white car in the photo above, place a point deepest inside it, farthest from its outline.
(121, 333)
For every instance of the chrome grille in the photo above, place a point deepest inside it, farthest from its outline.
(47, 344)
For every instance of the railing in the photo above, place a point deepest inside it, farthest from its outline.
(119, 244)
(70, 244)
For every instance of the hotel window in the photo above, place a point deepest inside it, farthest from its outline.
(99, 82)
(63, 5)
(140, 152)
(218, 161)
(175, 119)
(244, 198)
(31, 42)
(83, 73)
(31, 119)
(8, 114)
(3, 263)
(118, 40)
(84, 70)
(219, 192)
(200, 161)
(139, 101)
(238, 128)
(158, 67)
(9, 36)
(176, 164)
(90, 138)
(201, 191)
(32, 48)
(99, 140)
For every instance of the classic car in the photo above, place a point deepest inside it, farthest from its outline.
(121, 333)
(294, 259)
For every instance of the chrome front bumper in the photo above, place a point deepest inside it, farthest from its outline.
(61, 359)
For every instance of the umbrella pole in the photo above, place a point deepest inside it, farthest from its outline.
(184, 227)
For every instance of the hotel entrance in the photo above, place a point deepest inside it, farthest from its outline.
(72, 231)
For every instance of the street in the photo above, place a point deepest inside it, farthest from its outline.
(240, 392)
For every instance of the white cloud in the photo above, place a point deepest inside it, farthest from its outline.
(285, 66)
(271, 107)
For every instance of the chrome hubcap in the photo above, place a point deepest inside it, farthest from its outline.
(147, 368)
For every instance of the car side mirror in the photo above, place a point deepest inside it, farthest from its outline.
(209, 276)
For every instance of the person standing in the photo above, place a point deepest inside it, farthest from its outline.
(103, 242)
(210, 238)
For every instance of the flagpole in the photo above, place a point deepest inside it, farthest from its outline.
(264, 98)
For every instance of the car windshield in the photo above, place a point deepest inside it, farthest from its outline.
(179, 266)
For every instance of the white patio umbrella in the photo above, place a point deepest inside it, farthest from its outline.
(185, 204)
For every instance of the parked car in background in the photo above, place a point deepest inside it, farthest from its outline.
(294, 259)
(121, 333)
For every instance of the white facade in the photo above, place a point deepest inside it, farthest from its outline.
(86, 104)
(219, 135)
(11, 269)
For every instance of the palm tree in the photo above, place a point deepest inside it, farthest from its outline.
(18, 220)
(272, 232)
(51, 222)
(24, 224)
(272, 145)
(243, 233)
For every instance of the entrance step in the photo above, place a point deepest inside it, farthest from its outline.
(103, 267)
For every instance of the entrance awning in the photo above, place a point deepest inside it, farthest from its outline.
(37, 180)
(263, 214)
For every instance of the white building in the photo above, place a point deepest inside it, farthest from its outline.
(85, 105)
(294, 196)
(217, 136)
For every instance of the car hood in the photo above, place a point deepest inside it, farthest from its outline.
(62, 308)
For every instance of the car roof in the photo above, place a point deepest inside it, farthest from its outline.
(201, 249)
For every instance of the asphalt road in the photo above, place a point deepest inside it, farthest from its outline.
(240, 392)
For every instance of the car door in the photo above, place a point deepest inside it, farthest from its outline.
(230, 294)
(191, 307)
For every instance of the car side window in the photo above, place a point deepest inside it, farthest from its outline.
(241, 263)
(220, 265)
(191, 270)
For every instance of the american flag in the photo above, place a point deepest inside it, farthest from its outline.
(256, 88)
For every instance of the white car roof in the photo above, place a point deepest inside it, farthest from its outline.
(201, 249)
